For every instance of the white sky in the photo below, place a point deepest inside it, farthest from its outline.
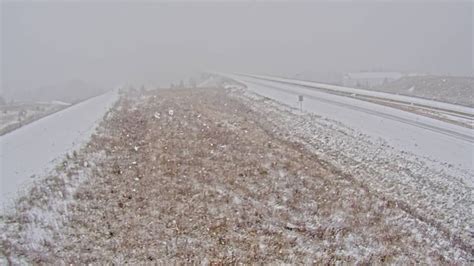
(109, 43)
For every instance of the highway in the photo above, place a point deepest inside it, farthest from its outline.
(408, 130)
(36, 148)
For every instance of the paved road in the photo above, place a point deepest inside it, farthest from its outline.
(33, 148)
(437, 140)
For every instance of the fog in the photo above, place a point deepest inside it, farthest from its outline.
(225, 132)
(106, 43)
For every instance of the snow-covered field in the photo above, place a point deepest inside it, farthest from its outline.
(16, 115)
(34, 149)
(456, 90)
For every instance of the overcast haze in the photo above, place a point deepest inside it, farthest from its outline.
(111, 43)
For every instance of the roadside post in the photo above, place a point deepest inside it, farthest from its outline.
(300, 99)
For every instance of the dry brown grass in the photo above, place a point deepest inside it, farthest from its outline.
(213, 183)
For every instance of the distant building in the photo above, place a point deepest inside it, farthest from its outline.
(369, 79)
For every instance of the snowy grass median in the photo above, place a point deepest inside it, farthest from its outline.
(226, 176)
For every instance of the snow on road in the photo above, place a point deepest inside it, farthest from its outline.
(447, 145)
(377, 94)
(34, 148)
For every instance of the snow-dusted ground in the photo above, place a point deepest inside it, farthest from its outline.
(449, 147)
(34, 149)
(16, 115)
(231, 176)
(432, 192)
